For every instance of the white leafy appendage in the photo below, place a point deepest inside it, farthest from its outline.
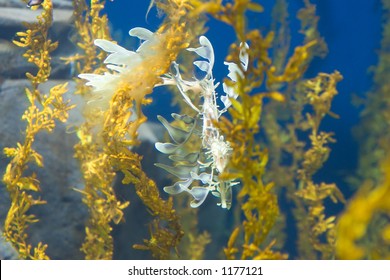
(122, 62)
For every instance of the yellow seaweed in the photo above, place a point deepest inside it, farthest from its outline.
(40, 116)
(354, 222)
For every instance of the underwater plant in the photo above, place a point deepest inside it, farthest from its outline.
(115, 113)
(297, 145)
(43, 111)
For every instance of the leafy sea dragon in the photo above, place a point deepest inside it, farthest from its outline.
(206, 164)
(211, 160)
